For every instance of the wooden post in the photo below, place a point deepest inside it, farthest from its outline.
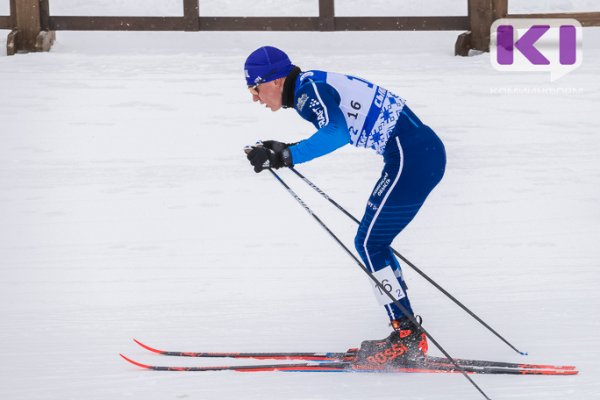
(191, 14)
(482, 14)
(326, 15)
(30, 19)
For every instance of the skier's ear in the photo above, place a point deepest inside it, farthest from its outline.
(279, 82)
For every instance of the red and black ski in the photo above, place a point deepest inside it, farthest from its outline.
(309, 356)
(409, 367)
(348, 356)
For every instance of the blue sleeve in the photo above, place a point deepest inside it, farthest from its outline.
(319, 103)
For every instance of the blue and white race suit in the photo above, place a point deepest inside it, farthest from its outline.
(346, 109)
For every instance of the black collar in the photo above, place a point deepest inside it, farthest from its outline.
(289, 87)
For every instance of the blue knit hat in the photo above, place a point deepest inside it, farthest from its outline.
(266, 64)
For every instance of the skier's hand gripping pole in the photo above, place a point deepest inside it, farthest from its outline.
(268, 154)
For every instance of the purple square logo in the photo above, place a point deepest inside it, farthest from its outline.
(536, 45)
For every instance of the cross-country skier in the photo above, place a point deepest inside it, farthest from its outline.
(346, 109)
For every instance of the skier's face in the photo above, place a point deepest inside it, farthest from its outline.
(268, 93)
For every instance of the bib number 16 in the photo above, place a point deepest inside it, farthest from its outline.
(390, 285)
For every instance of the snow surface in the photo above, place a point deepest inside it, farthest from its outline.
(129, 210)
(3, 34)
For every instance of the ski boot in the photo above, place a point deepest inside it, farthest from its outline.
(407, 343)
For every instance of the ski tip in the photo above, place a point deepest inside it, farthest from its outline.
(134, 362)
(145, 346)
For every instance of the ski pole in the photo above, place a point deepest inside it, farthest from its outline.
(414, 267)
(377, 283)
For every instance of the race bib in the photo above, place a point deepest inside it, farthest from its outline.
(390, 283)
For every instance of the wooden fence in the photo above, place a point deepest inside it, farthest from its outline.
(33, 28)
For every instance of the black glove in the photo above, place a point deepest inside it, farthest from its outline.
(276, 146)
(270, 154)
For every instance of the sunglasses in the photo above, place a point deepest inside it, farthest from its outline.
(253, 89)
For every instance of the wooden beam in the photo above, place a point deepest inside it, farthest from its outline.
(482, 14)
(259, 23)
(191, 14)
(72, 23)
(477, 11)
(340, 24)
(27, 22)
(76, 23)
(44, 14)
(6, 22)
(326, 15)
(13, 8)
(585, 18)
(400, 23)
(499, 9)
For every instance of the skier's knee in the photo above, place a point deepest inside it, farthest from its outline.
(359, 243)
(365, 246)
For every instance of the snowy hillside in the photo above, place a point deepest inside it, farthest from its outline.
(129, 210)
